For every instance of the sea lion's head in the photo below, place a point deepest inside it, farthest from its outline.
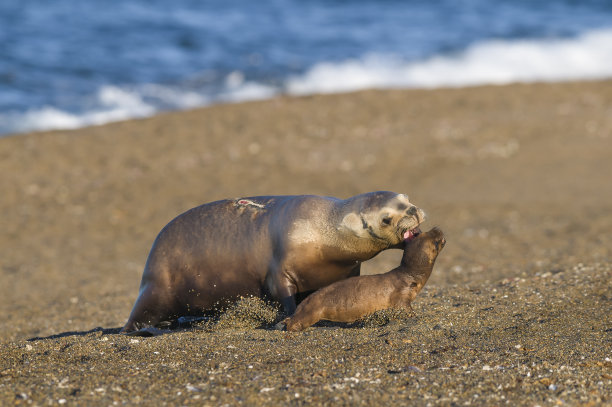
(385, 217)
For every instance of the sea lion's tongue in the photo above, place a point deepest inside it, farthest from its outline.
(411, 234)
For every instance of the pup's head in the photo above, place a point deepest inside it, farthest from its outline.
(422, 250)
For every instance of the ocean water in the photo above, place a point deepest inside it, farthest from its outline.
(69, 63)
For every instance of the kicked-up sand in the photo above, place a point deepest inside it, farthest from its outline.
(518, 309)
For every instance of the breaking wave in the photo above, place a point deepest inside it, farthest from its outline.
(588, 56)
(585, 57)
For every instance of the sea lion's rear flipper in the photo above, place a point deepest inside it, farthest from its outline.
(148, 331)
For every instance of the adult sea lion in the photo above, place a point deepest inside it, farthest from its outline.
(353, 298)
(274, 246)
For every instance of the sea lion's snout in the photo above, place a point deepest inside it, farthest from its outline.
(418, 213)
(440, 244)
(410, 221)
(438, 238)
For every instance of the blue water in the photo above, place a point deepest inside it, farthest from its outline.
(70, 63)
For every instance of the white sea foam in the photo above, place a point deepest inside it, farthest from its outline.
(174, 98)
(588, 56)
(111, 104)
(237, 89)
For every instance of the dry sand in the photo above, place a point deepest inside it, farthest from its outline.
(518, 309)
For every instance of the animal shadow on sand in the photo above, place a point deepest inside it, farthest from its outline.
(105, 331)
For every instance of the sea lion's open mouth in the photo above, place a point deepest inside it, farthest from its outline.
(411, 234)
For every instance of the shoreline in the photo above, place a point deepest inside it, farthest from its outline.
(286, 95)
(517, 176)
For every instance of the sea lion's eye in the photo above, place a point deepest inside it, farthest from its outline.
(387, 220)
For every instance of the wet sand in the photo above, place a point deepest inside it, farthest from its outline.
(518, 308)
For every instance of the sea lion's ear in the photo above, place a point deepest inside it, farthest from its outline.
(353, 222)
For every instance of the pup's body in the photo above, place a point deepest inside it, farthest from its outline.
(356, 297)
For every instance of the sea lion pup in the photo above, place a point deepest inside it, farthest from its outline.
(353, 298)
(274, 246)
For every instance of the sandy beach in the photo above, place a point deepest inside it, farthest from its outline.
(518, 310)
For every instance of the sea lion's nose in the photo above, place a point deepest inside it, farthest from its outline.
(417, 213)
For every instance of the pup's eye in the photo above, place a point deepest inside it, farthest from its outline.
(386, 220)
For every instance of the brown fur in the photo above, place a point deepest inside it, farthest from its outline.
(356, 297)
